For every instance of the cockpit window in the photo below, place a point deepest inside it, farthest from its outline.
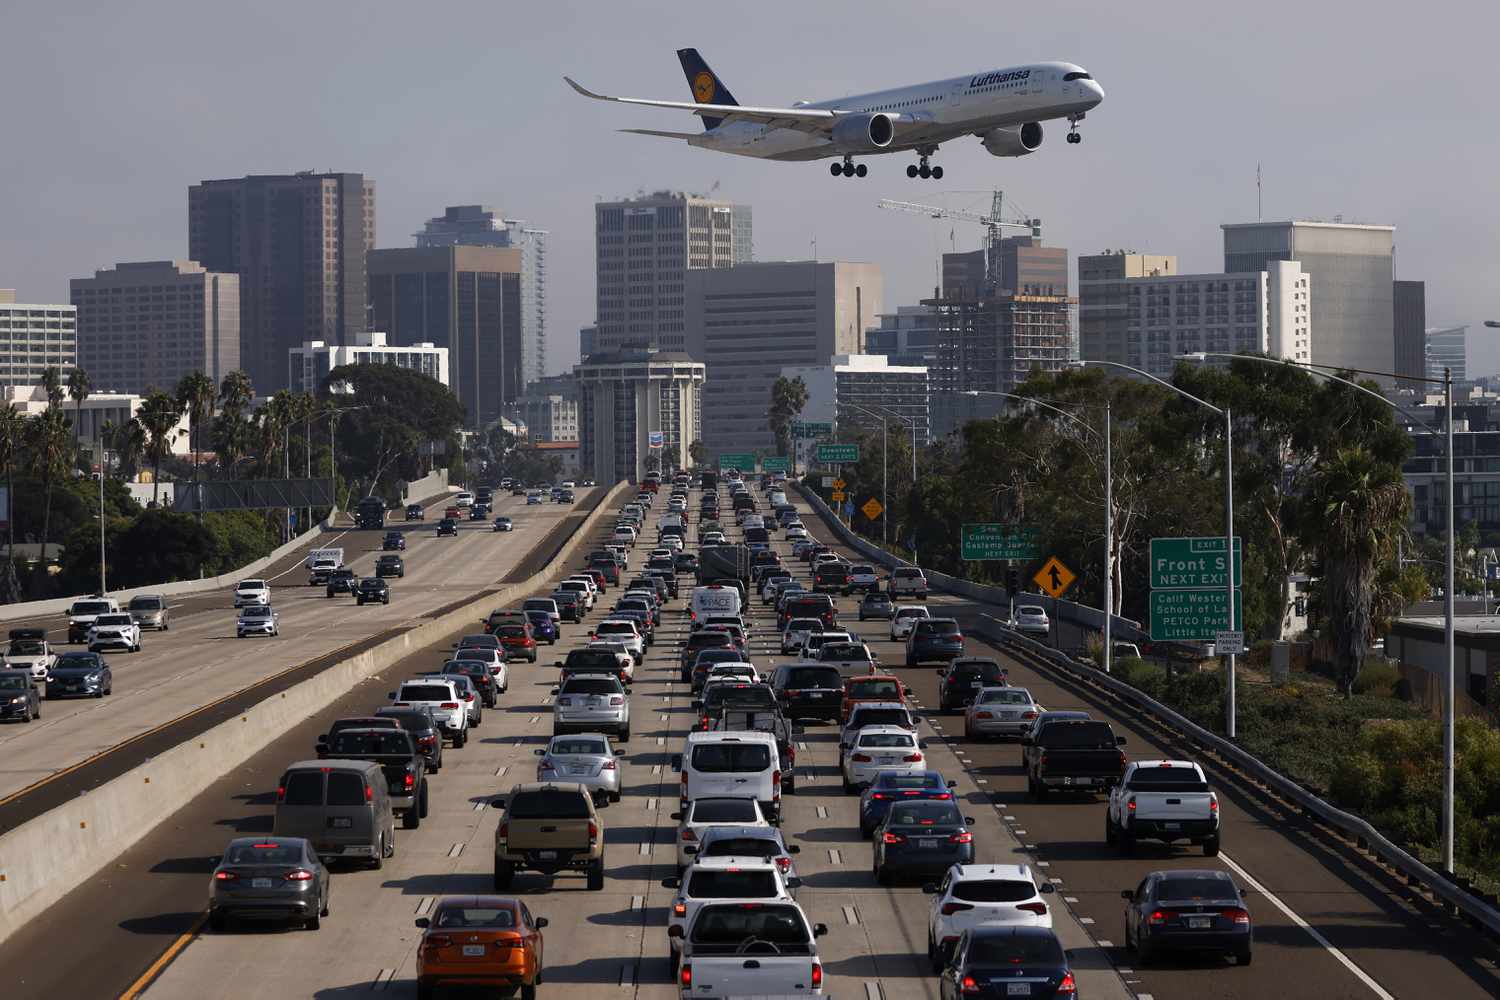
(1076, 76)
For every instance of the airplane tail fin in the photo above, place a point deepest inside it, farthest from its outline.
(705, 83)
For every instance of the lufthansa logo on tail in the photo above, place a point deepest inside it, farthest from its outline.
(703, 87)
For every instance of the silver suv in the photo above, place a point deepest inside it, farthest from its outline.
(592, 703)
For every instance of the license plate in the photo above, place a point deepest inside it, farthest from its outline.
(1171, 826)
(578, 770)
(547, 855)
(888, 760)
(815, 694)
(1199, 923)
(341, 822)
(927, 841)
(1018, 989)
(260, 883)
(473, 951)
(975, 684)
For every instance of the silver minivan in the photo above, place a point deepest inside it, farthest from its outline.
(342, 807)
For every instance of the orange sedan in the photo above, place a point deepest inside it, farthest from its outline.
(872, 687)
(481, 941)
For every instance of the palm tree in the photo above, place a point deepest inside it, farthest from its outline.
(79, 387)
(788, 397)
(231, 431)
(12, 429)
(52, 382)
(128, 442)
(47, 443)
(196, 395)
(1358, 507)
(158, 416)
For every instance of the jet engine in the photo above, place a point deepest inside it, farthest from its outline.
(1013, 141)
(863, 133)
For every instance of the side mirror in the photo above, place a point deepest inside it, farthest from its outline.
(677, 816)
(1048, 887)
(794, 849)
(845, 746)
(557, 663)
(323, 740)
(819, 930)
(969, 820)
(671, 883)
(794, 882)
(422, 922)
(541, 922)
(921, 744)
(930, 888)
(540, 752)
(553, 691)
(390, 695)
(697, 702)
(498, 801)
(907, 690)
(1027, 741)
(952, 784)
(675, 931)
(690, 851)
(1127, 893)
(1119, 741)
(677, 762)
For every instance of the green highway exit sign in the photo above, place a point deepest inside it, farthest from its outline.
(1178, 563)
(999, 541)
(832, 454)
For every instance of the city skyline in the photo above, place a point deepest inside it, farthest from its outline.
(1322, 134)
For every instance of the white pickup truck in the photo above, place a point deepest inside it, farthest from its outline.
(321, 562)
(1165, 800)
(746, 949)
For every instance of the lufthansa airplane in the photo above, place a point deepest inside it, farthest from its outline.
(1004, 108)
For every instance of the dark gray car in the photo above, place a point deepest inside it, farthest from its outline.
(269, 878)
(18, 696)
(77, 677)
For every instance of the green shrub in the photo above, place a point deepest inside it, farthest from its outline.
(1379, 676)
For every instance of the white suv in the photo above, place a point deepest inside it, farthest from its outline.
(443, 698)
(248, 592)
(908, 581)
(907, 616)
(623, 631)
(970, 895)
(115, 631)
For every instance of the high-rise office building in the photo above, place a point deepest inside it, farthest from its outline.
(633, 405)
(35, 337)
(308, 364)
(1139, 313)
(856, 390)
(588, 341)
(1409, 324)
(746, 323)
(906, 337)
(298, 243)
(1003, 313)
(467, 299)
(644, 246)
(1447, 347)
(549, 408)
(1349, 268)
(482, 226)
(145, 325)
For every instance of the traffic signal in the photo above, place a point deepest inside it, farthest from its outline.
(1013, 580)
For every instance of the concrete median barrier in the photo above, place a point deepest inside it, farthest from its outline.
(44, 858)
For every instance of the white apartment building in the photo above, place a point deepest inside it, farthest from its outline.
(35, 337)
(634, 403)
(310, 363)
(856, 390)
(100, 408)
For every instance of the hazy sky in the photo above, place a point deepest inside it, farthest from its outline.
(1381, 112)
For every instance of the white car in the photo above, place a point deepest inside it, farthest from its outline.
(29, 650)
(734, 877)
(794, 637)
(625, 534)
(796, 532)
(734, 670)
(117, 631)
(970, 895)
(881, 748)
(257, 619)
(673, 543)
(712, 538)
(710, 811)
(248, 592)
(816, 640)
(442, 697)
(624, 631)
(907, 616)
(463, 499)
(1031, 619)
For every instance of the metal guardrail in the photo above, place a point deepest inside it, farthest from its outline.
(1415, 870)
(1443, 888)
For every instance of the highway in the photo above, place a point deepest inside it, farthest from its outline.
(199, 661)
(137, 930)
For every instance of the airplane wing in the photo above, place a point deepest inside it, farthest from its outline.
(664, 135)
(817, 121)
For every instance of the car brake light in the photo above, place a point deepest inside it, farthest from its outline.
(1040, 909)
(969, 985)
(281, 793)
(369, 794)
(686, 975)
(300, 875)
(784, 863)
(1042, 761)
(1066, 988)
(984, 715)
(1213, 803)
(776, 779)
(679, 909)
(225, 877)
(409, 780)
(861, 758)
(962, 837)
(502, 833)
(1236, 915)
(593, 832)
(1157, 917)
(616, 699)
(879, 796)
(449, 704)
(1130, 803)
(608, 765)
(1028, 715)
(689, 834)
(913, 758)
(817, 975)
(893, 838)
(943, 795)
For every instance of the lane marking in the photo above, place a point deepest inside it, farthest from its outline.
(1085, 920)
(455, 850)
(479, 807)
(139, 986)
(851, 915)
(424, 906)
(656, 769)
(822, 812)
(636, 902)
(872, 990)
(501, 770)
(1070, 899)
(645, 849)
(1312, 931)
(834, 857)
(382, 980)
(650, 804)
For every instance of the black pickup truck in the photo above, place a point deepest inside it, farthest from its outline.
(737, 720)
(404, 765)
(1073, 755)
(722, 698)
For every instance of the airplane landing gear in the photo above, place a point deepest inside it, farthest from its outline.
(1073, 136)
(922, 168)
(848, 168)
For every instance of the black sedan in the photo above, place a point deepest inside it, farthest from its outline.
(18, 696)
(478, 512)
(415, 512)
(876, 604)
(268, 878)
(964, 677)
(922, 840)
(390, 566)
(479, 674)
(372, 590)
(893, 787)
(686, 562)
(79, 677)
(1187, 910)
(394, 541)
(447, 526)
(994, 960)
(934, 639)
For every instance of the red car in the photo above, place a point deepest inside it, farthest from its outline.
(517, 642)
(873, 687)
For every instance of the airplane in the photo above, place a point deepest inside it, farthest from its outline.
(1003, 107)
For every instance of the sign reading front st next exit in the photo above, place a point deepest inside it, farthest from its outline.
(1180, 563)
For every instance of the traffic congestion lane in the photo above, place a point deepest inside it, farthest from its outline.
(123, 921)
(1381, 944)
(200, 660)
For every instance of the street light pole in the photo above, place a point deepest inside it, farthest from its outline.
(103, 471)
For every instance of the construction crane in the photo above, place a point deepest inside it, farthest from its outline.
(995, 223)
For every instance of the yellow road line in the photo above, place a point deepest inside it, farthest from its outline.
(138, 987)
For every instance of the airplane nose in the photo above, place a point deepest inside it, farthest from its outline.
(1097, 90)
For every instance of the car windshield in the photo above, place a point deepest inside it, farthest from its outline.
(878, 717)
(478, 642)
(263, 854)
(511, 631)
(977, 671)
(548, 803)
(615, 628)
(1031, 609)
(1184, 888)
(577, 746)
(1166, 779)
(843, 651)
(256, 612)
(907, 574)
(146, 604)
(881, 690)
(78, 659)
(993, 890)
(489, 917)
(1076, 734)
(804, 625)
(538, 604)
(27, 647)
(926, 814)
(112, 620)
(738, 922)
(910, 613)
(592, 685)
(91, 607)
(1006, 949)
(937, 627)
(813, 677)
(13, 680)
(725, 811)
(886, 740)
(252, 584)
(740, 696)
(585, 658)
(730, 884)
(722, 758)
(891, 779)
(385, 741)
(1005, 696)
(426, 692)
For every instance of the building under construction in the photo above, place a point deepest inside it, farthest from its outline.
(1002, 314)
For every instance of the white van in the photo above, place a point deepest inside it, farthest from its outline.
(714, 599)
(736, 765)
